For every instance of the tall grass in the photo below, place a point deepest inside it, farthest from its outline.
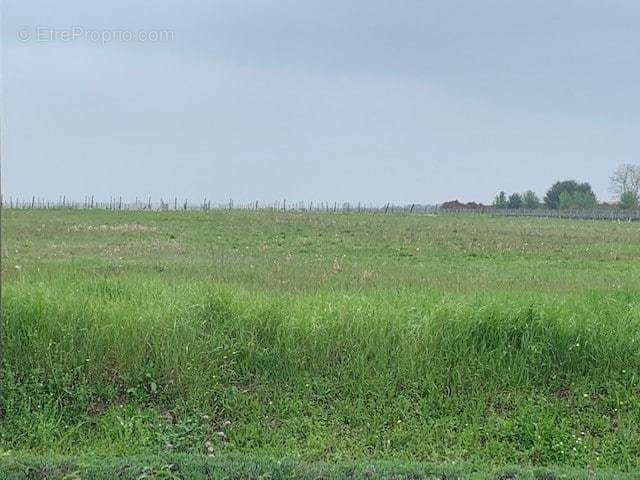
(112, 326)
(364, 360)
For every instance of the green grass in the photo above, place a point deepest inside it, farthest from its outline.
(232, 467)
(327, 339)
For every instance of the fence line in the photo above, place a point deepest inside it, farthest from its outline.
(592, 214)
(174, 204)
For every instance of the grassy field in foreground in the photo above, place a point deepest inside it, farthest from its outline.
(321, 338)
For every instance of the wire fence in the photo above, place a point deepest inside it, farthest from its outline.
(175, 204)
(576, 214)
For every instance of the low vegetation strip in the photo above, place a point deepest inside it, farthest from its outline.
(117, 367)
(230, 467)
(575, 214)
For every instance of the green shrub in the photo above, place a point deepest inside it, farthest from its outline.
(629, 201)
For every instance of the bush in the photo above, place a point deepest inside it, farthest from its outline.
(629, 200)
(577, 195)
(515, 201)
(576, 200)
(501, 200)
(530, 200)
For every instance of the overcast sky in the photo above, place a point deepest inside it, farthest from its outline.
(343, 100)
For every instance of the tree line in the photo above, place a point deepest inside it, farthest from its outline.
(570, 194)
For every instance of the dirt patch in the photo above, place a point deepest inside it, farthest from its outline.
(97, 408)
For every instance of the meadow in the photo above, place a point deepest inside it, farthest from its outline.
(285, 344)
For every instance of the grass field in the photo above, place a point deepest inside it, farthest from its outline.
(471, 343)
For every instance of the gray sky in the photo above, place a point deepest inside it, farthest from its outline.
(360, 100)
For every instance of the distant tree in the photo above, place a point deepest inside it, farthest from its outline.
(626, 179)
(501, 200)
(577, 200)
(565, 200)
(530, 200)
(629, 200)
(577, 192)
(515, 201)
